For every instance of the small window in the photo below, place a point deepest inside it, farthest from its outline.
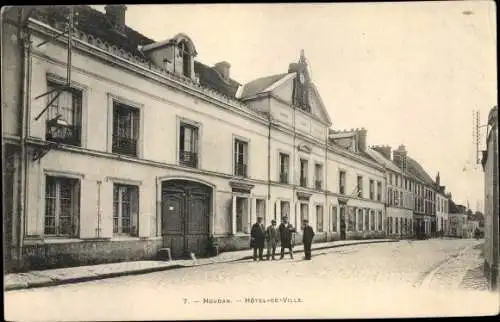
(125, 129)
(188, 145)
(62, 207)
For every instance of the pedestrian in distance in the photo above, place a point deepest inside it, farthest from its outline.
(258, 238)
(272, 239)
(307, 238)
(286, 232)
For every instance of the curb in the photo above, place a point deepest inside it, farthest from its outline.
(158, 269)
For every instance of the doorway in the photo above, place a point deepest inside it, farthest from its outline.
(186, 208)
(342, 223)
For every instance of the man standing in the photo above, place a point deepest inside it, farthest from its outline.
(286, 230)
(307, 238)
(272, 239)
(258, 238)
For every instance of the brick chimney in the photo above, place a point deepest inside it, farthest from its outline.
(361, 139)
(400, 156)
(223, 69)
(116, 15)
(385, 150)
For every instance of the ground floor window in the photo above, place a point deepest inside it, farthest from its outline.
(372, 220)
(334, 219)
(367, 220)
(350, 219)
(360, 219)
(304, 212)
(285, 209)
(125, 209)
(396, 229)
(380, 224)
(242, 219)
(389, 225)
(319, 218)
(62, 207)
(260, 205)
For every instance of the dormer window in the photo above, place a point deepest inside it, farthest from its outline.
(186, 58)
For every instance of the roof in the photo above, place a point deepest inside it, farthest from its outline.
(418, 171)
(379, 158)
(258, 85)
(95, 23)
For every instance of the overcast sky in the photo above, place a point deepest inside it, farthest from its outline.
(410, 73)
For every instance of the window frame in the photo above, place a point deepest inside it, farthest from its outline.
(342, 185)
(281, 174)
(136, 208)
(246, 156)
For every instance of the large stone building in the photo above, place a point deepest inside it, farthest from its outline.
(442, 219)
(491, 211)
(139, 146)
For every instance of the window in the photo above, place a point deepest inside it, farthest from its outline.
(389, 196)
(380, 228)
(303, 172)
(342, 182)
(379, 191)
(354, 218)
(372, 188)
(390, 178)
(240, 158)
(62, 206)
(395, 197)
(285, 209)
(360, 219)
(188, 145)
(389, 224)
(304, 212)
(360, 187)
(186, 58)
(318, 175)
(284, 166)
(242, 215)
(125, 129)
(372, 220)
(350, 219)
(406, 183)
(401, 199)
(367, 220)
(334, 218)
(319, 219)
(125, 209)
(260, 205)
(66, 107)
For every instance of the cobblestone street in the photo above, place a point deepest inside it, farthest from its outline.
(374, 280)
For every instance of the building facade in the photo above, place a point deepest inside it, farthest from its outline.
(491, 211)
(458, 221)
(442, 219)
(114, 156)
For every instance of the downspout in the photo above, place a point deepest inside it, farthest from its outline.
(327, 206)
(25, 92)
(269, 158)
(293, 172)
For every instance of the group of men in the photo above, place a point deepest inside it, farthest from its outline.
(284, 234)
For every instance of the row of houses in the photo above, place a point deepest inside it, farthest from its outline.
(135, 145)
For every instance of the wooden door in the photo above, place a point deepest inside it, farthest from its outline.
(173, 212)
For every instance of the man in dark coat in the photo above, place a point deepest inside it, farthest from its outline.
(286, 233)
(307, 238)
(272, 239)
(258, 238)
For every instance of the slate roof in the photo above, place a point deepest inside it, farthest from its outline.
(94, 22)
(258, 85)
(379, 158)
(418, 171)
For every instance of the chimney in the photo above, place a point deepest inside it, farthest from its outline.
(116, 15)
(438, 179)
(385, 150)
(223, 69)
(361, 139)
(399, 157)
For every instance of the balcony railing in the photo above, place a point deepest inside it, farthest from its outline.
(318, 184)
(124, 145)
(188, 158)
(284, 178)
(66, 134)
(303, 182)
(240, 169)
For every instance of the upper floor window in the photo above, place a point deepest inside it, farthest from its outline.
(186, 58)
(360, 186)
(372, 189)
(303, 172)
(318, 176)
(64, 116)
(188, 145)
(62, 206)
(342, 182)
(240, 158)
(379, 191)
(284, 167)
(125, 129)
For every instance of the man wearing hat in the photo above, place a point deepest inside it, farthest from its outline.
(307, 238)
(258, 238)
(272, 239)
(286, 231)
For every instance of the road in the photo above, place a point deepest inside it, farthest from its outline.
(404, 279)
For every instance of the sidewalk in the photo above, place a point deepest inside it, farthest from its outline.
(52, 277)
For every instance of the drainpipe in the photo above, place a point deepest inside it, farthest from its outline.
(25, 44)
(327, 206)
(269, 156)
(293, 172)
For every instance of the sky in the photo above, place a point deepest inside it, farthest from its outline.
(411, 73)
